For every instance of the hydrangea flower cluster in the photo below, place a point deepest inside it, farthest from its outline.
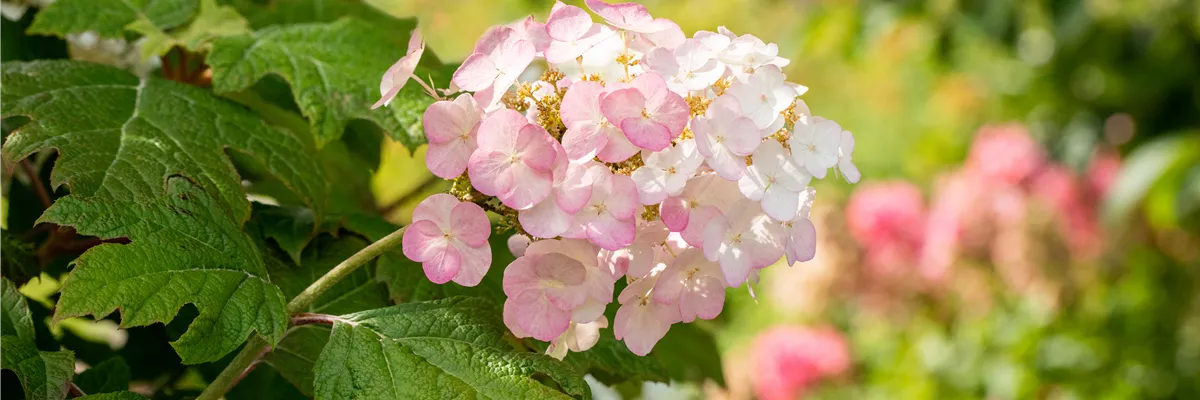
(679, 164)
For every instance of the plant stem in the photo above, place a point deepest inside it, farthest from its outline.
(245, 360)
(35, 180)
(301, 302)
(242, 363)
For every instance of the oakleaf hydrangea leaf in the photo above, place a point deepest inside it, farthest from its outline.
(111, 375)
(113, 396)
(142, 131)
(211, 22)
(452, 348)
(166, 184)
(109, 17)
(333, 69)
(184, 249)
(43, 374)
(263, 13)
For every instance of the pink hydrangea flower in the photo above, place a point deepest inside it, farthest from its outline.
(555, 214)
(542, 291)
(888, 218)
(632, 17)
(647, 112)
(790, 360)
(578, 337)
(845, 161)
(1005, 153)
(572, 33)
(533, 32)
(815, 144)
(693, 284)
(514, 160)
(451, 127)
(400, 72)
(801, 242)
(499, 58)
(666, 172)
(608, 218)
(742, 239)
(641, 322)
(449, 239)
(689, 67)
(702, 199)
(762, 97)
(725, 137)
(637, 259)
(589, 134)
(774, 181)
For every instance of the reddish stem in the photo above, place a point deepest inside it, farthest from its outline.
(35, 180)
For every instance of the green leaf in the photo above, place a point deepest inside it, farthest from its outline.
(43, 374)
(112, 375)
(97, 115)
(184, 249)
(611, 362)
(20, 262)
(262, 13)
(113, 396)
(689, 353)
(358, 291)
(211, 22)
(1163, 161)
(109, 17)
(166, 185)
(333, 69)
(296, 354)
(448, 348)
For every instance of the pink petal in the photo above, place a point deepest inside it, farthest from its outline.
(780, 204)
(628, 16)
(399, 73)
(501, 130)
(575, 189)
(674, 213)
(475, 264)
(622, 200)
(491, 172)
(511, 57)
(589, 311)
(527, 187)
(443, 121)
(537, 147)
(583, 141)
(535, 316)
(470, 224)
(567, 23)
(477, 72)
(651, 185)
(621, 104)
(610, 233)
(670, 284)
(705, 299)
(742, 142)
(802, 242)
(436, 208)
(449, 160)
(664, 33)
(443, 266)
(423, 241)
(646, 133)
(618, 148)
(545, 220)
(520, 275)
(582, 104)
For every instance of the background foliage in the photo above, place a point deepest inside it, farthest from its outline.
(291, 81)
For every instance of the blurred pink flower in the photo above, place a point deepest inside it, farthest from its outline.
(1075, 211)
(1005, 154)
(790, 359)
(1103, 171)
(888, 219)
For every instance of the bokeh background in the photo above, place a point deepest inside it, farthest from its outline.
(1027, 225)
